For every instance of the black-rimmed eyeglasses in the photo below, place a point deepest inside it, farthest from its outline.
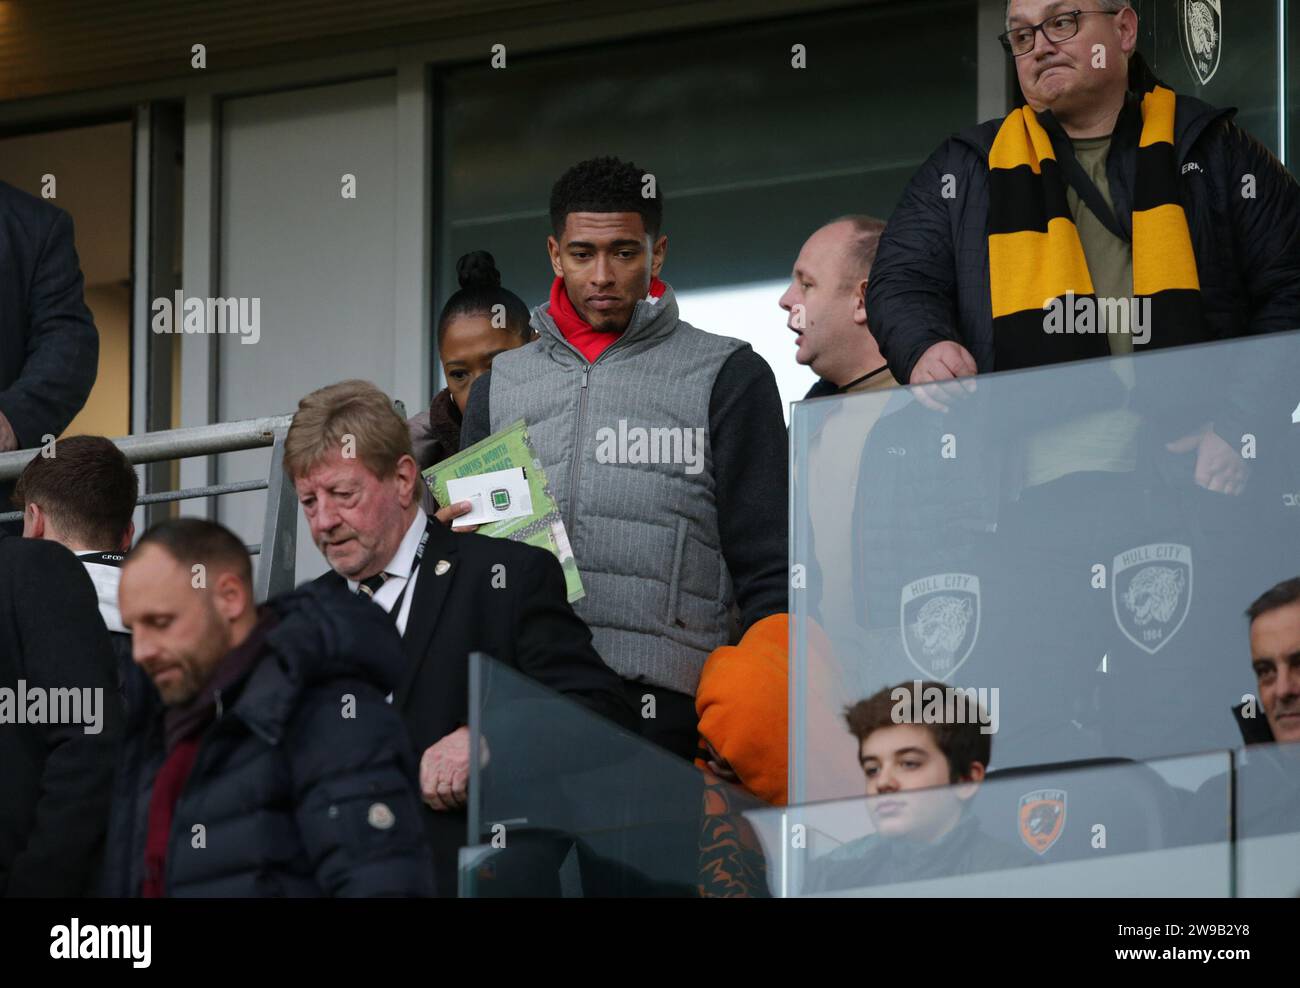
(1059, 27)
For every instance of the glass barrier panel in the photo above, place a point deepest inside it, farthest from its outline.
(1074, 546)
(566, 803)
(1221, 52)
(1268, 819)
(1107, 828)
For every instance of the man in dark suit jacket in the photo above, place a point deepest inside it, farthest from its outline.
(49, 348)
(57, 747)
(83, 498)
(348, 453)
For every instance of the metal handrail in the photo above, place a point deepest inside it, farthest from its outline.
(174, 444)
(278, 548)
(185, 494)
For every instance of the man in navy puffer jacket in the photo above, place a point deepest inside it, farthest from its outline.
(266, 761)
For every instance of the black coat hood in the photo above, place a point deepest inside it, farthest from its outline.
(320, 634)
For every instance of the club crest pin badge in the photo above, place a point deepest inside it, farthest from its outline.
(1151, 593)
(1041, 818)
(940, 620)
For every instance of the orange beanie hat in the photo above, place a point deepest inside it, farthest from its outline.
(742, 701)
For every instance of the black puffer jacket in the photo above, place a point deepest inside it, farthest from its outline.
(296, 798)
(930, 281)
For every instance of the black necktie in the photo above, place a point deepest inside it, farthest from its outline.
(367, 587)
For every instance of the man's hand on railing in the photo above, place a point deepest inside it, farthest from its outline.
(444, 770)
(935, 376)
(1219, 467)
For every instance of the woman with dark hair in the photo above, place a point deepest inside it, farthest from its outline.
(479, 321)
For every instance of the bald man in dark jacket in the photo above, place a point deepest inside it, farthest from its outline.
(300, 780)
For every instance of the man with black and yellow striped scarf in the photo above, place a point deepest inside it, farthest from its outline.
(1107, 217)
(1106, 185)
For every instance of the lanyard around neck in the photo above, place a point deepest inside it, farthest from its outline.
(865, 377)
(396, 609)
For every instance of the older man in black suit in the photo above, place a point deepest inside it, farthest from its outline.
(349, 455)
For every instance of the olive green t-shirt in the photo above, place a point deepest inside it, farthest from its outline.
(1110, 259)
(1103, 440)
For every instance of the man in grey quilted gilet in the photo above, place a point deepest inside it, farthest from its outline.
(665, 448)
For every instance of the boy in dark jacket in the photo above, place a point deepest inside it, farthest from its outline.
(267, 763)
(923, 834)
